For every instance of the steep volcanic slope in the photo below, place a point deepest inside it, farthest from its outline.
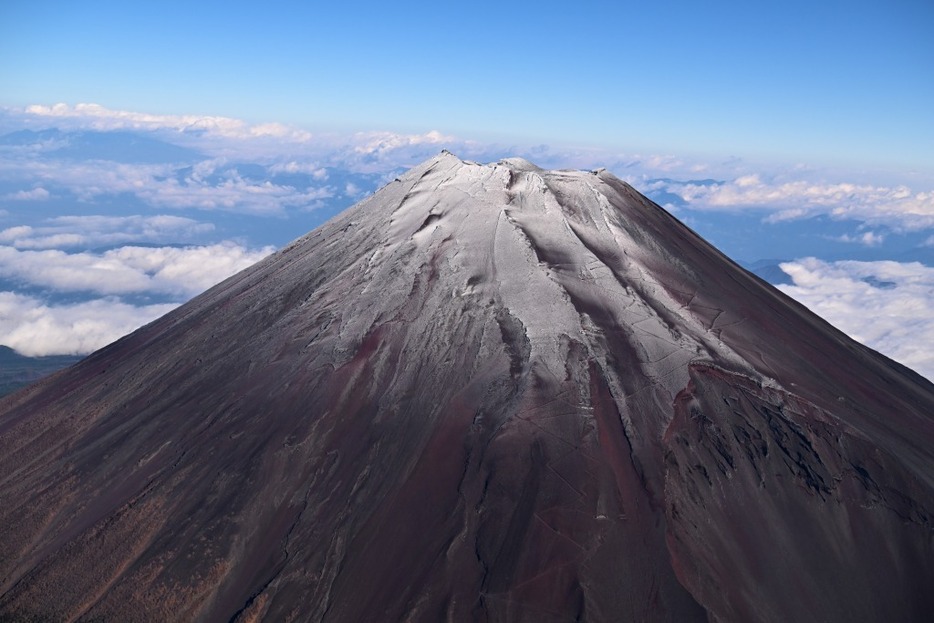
(485, 393)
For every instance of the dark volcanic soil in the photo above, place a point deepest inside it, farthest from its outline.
(488, 393)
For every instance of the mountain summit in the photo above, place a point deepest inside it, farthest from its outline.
(487, 392)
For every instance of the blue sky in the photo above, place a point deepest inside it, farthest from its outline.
(838, 82)
(149, 150)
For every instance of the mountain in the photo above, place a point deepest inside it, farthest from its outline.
(487, 392)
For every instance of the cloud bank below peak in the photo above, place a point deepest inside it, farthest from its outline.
(784, 200)
(97, 117)
(156, 271)
(35, 329)
(227, 136)
(885, 305)
(87, 231)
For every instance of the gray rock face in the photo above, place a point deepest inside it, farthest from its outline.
(488, 392)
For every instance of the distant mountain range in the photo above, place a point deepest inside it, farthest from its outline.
(17, 370)
(116, 146)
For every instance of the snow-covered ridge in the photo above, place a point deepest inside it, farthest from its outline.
(546, 245)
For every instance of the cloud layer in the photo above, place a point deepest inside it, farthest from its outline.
(209, 185)
(896, 206)
(35, 328)
(885, 305)
(98, 230)
(99, 117)
(178, 272)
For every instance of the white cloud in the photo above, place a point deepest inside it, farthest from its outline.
(189, 270)
(36, 194)
(794, 199)
(885, 305)
(381, 152)
(789, 214)
(179, 272)
(11, 234)
(869, 239)
(95, 230)
(233, 192)
(664, 163)
(381, 142)
(308, 168)
(36, 329)
(352, 190)
(209, 185)
(99, 117)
